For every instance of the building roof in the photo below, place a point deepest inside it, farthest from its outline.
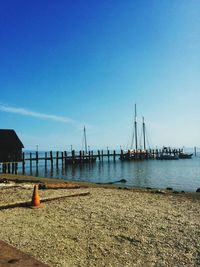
(9, 138)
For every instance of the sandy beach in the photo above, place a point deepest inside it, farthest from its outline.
(107, 227)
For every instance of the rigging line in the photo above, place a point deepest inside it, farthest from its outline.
(82, 143)
(85, 140)
(140, 141)
(135, 124)
(148, 138)
(127, 144)
(144, 134)
(132, 139)
(148, 144)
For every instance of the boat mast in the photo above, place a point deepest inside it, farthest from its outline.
(132, 140)
(135, 124)
(143, 126)
(85, 140)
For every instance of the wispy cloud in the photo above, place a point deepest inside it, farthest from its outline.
(26, 112)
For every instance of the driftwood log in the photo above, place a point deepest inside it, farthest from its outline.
(58, 186)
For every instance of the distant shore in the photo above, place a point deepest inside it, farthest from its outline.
(110, 226)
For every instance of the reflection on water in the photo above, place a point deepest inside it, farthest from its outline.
(178, 174)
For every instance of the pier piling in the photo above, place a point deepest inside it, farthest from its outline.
(62, 158)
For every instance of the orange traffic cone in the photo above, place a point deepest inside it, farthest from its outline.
(36, 198)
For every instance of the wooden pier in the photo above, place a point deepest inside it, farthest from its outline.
(63, 158)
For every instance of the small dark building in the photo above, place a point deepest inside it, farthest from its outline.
(10, 146)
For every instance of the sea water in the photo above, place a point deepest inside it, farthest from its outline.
(181, 175)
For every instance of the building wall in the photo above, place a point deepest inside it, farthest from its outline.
(10, 154)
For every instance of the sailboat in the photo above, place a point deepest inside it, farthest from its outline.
(136, 154)
(85, 156)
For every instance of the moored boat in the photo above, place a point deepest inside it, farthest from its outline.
(84, 156)
(136, 154)
(167, 157)
(183, 155)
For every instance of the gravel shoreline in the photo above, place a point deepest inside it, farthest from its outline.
(108, 227)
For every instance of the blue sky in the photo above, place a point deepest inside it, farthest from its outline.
(65, 64)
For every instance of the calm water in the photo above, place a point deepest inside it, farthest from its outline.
(182, 174)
